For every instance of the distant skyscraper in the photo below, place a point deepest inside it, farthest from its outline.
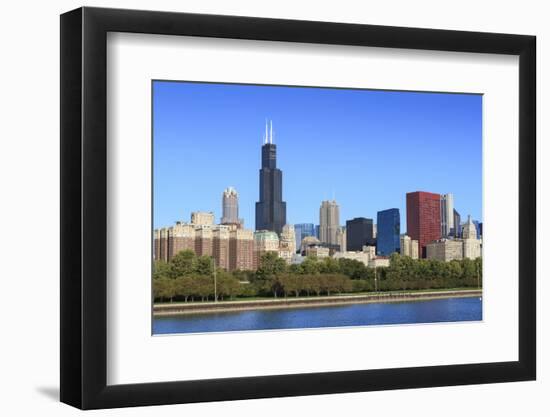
(317, 232)
(389, 229)
(329, 222)
(423, 218)
(457, 225)
(359, 233)
(230, 206)
(302, 230)
(270, 209)
(341, 236)
(478, 226)
(447, 214)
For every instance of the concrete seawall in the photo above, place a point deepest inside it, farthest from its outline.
(174, 309)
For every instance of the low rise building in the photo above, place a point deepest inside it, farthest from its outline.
(408, 246)
(318, 251)
(367, 256)
(445, 250)
(202, 218)
(308, 241)
(356, 256)
(379, 262)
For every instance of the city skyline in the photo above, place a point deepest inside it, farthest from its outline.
(236, 161)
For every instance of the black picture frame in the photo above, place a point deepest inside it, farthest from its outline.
(84, 207)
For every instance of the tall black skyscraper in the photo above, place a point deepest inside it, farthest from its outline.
(271, 209)
(359, 233)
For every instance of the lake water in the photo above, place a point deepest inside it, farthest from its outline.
(429, 311)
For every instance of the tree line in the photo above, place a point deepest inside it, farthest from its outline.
(187, 277)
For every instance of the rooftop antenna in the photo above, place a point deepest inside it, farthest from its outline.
(265, 137)
(271, 131)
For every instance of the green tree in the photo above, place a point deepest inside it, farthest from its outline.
(310, 266)
(161, 269)
(205, 265)
(204, 286)
(227, 285)
(185, 287)
(329, 265)
(270, 266)
(274, 285)
(310, 283)
(163, 288)
(291, 284)
(183, 263)
(353, 268)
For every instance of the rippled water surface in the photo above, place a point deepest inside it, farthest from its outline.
(430, 311)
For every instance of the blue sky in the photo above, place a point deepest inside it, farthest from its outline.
(365, 148)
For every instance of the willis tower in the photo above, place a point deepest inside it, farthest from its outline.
(271, 209)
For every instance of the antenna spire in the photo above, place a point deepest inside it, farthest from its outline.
(265, 135)
(271, 131)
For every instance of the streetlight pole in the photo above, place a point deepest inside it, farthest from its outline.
(477, 270)
(215, 282)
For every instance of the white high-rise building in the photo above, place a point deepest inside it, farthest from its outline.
(471, 244)
(447, 214)
(329, 222)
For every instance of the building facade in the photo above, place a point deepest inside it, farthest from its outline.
(308, 241)
(471, 243)
(423, 218)
(318, 251)
(264, 241)
(341, 237)
(329, 222)
(388, 232)
(270, 209)
(241, 250)
(287, 243)
(445, 250)
(447, 214)
(457, 229)
(359, 233)
(469, 230)
(202, 218)
(363, 257)
(230, 207)
(408, 247)
(230, 246)
(303, 230)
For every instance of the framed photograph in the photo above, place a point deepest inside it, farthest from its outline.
(256, 208)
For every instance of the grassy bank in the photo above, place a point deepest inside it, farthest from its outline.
(169, 309)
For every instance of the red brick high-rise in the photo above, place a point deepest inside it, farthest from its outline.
(423, 218)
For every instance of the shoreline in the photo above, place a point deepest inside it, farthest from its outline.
(177, 309)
